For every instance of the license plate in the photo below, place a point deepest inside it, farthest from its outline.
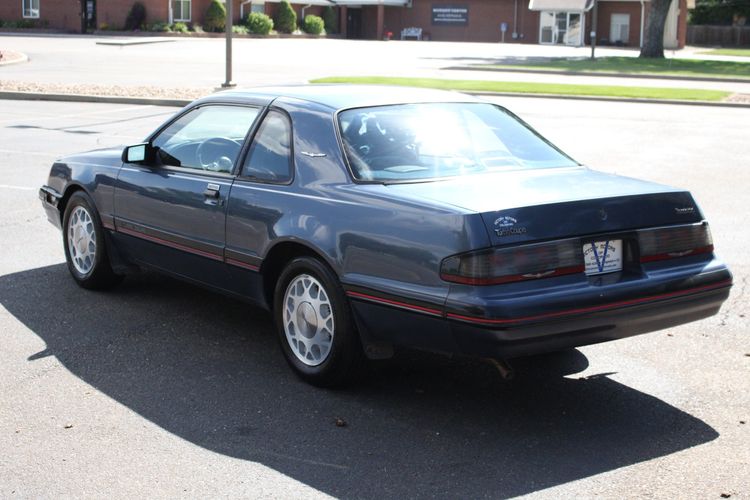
(602, 257)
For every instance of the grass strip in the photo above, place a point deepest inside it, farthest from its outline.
(637, 66)
(728, 52)
(536, 88)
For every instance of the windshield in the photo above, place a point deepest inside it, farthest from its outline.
(414, 142)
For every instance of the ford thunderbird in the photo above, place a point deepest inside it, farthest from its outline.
(371, 217)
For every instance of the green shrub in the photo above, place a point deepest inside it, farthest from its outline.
(160, 26)
(26, 24)
(286, 18)
(313, 25)
(330, 20)
(259, 23)
(216, 16)
(240, 29)
(180, 28)
(198, 28)
(136, 17)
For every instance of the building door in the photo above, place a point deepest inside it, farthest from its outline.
(353, 22)
(619, 29)
(564, 28)
(88, 16)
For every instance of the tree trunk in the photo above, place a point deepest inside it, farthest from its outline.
(653, 38)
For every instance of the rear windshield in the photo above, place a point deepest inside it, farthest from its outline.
(416, 142)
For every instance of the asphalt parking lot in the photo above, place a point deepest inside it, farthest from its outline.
(199, 62)
(161, 389)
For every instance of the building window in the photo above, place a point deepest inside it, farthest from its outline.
(258, 7)
(181, 10)
(31, 8)
(619, 31)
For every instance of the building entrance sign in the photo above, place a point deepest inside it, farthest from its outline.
(450, 15)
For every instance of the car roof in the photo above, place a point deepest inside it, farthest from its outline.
(342, 96)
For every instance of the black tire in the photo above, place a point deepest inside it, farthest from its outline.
(100, 276)
(344, 359)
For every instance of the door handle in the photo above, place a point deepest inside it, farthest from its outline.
(212, 191)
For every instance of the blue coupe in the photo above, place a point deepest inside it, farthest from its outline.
(370, 217)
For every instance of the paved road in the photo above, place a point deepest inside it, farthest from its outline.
(161, 389)
(193, 62)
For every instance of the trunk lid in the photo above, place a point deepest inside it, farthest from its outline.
(533, 205)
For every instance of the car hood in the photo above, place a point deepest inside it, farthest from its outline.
(554, 203)
(104, 156)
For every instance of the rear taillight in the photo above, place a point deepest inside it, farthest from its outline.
(664, 243)
(505, 265)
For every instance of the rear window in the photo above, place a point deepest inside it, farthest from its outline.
(416, 142)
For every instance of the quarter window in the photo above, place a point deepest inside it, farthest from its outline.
(181, 10)
(206, 138)
(270, 156)
(30, 8)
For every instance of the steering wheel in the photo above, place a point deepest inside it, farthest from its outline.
(216, 154)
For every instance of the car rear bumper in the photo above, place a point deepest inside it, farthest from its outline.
(539, 323)
(584, 328)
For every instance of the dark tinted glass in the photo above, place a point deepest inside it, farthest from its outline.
(432, 140)
(270, 158)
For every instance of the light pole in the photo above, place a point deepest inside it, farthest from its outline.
(593, 30)
(228, 83)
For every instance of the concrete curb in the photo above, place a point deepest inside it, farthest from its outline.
(24, 58)
(600, 74)
(616, 99)
(40, 96)
(128, 43)
(151, 101)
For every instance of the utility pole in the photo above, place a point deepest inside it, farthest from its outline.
(228, 83)
(593, 30)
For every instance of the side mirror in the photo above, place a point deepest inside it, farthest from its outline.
(138, 153)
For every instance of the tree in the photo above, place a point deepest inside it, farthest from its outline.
(653, 36)
(136, 17)
(216, 16)
(286, 18)
(330, 19)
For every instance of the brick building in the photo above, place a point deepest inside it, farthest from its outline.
(568, 22)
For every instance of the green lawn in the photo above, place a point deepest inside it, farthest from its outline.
(728, 52)
(535, 88)
(636, 65)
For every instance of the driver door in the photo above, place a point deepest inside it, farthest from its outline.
(171, 214)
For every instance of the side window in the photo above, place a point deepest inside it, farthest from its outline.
(206, 138)
(269, 158)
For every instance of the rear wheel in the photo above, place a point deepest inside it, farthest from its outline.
(85, 248)
(314, 324)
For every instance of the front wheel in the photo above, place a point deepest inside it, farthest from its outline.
(314, 324)
(85, 248)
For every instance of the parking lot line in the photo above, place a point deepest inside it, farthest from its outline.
(34, 153)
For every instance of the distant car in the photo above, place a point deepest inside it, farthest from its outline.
(369, 217)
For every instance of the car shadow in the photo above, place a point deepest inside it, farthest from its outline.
(207, 369)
